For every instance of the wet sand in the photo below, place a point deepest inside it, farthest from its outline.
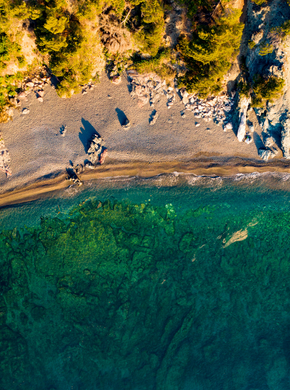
(116, 169)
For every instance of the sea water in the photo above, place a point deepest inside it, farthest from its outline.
(176, 282)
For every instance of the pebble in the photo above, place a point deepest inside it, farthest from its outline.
(25, 111)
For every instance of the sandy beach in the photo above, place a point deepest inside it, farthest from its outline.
(40, 155)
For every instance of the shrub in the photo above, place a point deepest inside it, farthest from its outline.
(244, 88)
(266, 89)
(259, 2)
(157, 64)
(251, 44)
(265, 49)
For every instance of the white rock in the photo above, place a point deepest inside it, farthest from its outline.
(285, 138)
(265, 154)
(25, 111)
(243, 117)
(228, 126)
(269, 142)
(185, 100)
(116, 80)
(30, 84)
(251, 128)
(197, 124)
(40, 99)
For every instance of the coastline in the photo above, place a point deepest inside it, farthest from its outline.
(205, 167)
(40, 155)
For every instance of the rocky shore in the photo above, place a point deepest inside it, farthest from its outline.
(139, 121)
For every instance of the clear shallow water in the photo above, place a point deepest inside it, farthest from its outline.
(175, 283)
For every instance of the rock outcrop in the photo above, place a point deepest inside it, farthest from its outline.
(268, 56)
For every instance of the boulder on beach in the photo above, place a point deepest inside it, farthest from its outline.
(126, 125)
(265, 154)
(116, 80)
(153, 118)
(96, 150)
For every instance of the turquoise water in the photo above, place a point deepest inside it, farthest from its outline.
(170, 283)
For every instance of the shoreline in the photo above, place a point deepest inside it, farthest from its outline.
(40, 154)
(207, 167)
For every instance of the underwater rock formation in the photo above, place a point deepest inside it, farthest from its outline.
(120, 295)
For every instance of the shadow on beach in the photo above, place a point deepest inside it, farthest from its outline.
(121, 116)
(258, 141)
(86, 133)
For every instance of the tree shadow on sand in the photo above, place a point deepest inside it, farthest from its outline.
(86, 133)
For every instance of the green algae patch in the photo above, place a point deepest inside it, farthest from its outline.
(116, 295)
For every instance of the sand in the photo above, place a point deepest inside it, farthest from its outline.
(40, 155)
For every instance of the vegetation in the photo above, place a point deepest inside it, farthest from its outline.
(71, 41)
(266, 89)
(209, 54)
(157, 64)
(251, 44)
(282, 31)
(260, 2)
(265, 49)
(150, 36)
(244, 88)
